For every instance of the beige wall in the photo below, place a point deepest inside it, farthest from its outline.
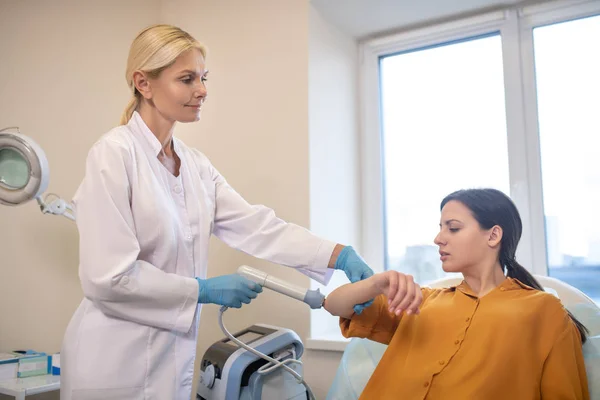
(61, 81)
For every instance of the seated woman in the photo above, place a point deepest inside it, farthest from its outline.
(497, 335)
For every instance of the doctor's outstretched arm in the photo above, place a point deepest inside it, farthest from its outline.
(256, 230)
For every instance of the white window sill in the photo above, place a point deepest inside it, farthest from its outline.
(333, 343)
(327, 345)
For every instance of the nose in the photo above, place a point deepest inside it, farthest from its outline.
(438, 239)
(200, 91)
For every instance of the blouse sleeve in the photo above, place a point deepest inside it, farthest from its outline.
(563, 374)
(376, 322)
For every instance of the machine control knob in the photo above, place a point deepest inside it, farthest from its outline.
(208, 378)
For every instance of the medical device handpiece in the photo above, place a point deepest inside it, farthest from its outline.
(314, 298)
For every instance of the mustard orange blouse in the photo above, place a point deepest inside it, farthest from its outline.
(513, 343)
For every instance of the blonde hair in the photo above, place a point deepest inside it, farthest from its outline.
(154, 49)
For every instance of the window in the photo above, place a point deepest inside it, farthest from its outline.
(568, 89)
(513, 96)
(425, 158)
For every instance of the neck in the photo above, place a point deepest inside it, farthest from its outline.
(160, 126)
(484, 278)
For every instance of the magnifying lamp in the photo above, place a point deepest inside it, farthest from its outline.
(24, 174)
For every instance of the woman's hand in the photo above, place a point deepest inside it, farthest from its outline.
(401, 290)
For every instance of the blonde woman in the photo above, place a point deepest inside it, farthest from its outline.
(145, 211)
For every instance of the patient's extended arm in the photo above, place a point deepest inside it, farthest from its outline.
(401, 290)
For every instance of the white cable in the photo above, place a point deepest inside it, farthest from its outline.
(275, 363)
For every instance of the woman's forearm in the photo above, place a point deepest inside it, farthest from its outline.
(343, 299)
(334, 256)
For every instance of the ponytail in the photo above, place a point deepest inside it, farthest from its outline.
(516, 271)
(131, 107)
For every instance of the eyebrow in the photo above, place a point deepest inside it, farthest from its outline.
(447, 222)
(189, 71)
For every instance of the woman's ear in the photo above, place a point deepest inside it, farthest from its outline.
(142, 84)
(495, 236)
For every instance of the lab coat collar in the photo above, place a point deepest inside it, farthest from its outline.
(138, 126)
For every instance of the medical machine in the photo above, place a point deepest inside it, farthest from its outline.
(228, 371)
(261, 362)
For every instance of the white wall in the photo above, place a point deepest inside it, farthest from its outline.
(334, 154)
(334, 170)
(333, 124)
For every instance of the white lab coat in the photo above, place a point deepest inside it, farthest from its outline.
(144, 236)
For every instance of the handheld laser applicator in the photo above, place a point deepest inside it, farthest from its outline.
(314, 298)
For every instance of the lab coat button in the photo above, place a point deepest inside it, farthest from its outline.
(468, 319)
(426, 384)
(125, 280)
(456, 341)
(442, 362)
(177, 189)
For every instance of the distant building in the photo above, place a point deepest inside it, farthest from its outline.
(593, 257)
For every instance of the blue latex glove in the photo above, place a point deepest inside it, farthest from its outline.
(227, 290)
(356, 269)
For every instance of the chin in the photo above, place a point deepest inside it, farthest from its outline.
(188, 118)
(450, 267)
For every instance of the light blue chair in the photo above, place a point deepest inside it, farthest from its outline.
(362, 355)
